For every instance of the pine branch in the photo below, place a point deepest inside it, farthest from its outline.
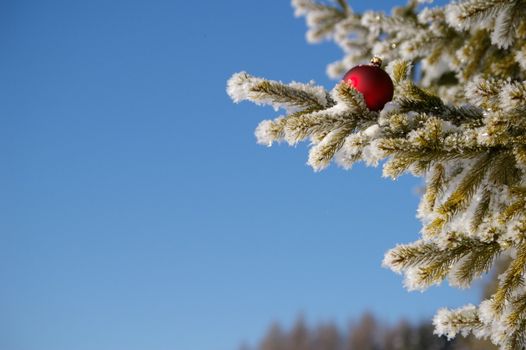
(517, 338)
(321, 154)
(458, 120)
(482, 209)
(504, 170)
(518, 315)
(435, 186)
(353, 100)
(413, 98)
(477, 262)
(451, 322)
(484, 92)
(513, 210)
(469, 57)
(316, 124)
(242, 86)
(284, 94)
(470, 12)
(513, 278)
(269, 131)
(405, 256)
(479, 256)
(461, 196)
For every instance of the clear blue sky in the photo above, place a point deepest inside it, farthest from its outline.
(138, 213)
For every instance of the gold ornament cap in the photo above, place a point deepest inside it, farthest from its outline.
(376, 61)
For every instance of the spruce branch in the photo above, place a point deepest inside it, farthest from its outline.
(484, 92)
(466, 14)
(321, 154)
(458, 120)
(479, 254)
(518, 313)
(405, 256)
(463, 320)
(434, 187)
(479, 261)
(517, 338)
(353, 100)
(481, 210)
(284, 94)
(316, 124)
(463, 193)
(269, 131)
(516, 208)
(242, 86)
(512, 279)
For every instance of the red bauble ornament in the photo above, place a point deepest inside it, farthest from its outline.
(373, 82)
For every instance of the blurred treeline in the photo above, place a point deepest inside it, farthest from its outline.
(367, 333)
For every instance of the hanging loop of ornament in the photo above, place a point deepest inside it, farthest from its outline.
(376, 61)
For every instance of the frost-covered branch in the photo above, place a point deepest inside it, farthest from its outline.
(458, 120)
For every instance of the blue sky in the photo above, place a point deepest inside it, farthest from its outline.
(138, 213)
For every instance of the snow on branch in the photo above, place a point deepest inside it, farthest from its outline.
(293, 96)
(457, 119)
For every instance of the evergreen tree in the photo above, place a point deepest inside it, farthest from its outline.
(299, 338)
(364, 334)
(458, 121)
(274, 340)
(327, 337)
